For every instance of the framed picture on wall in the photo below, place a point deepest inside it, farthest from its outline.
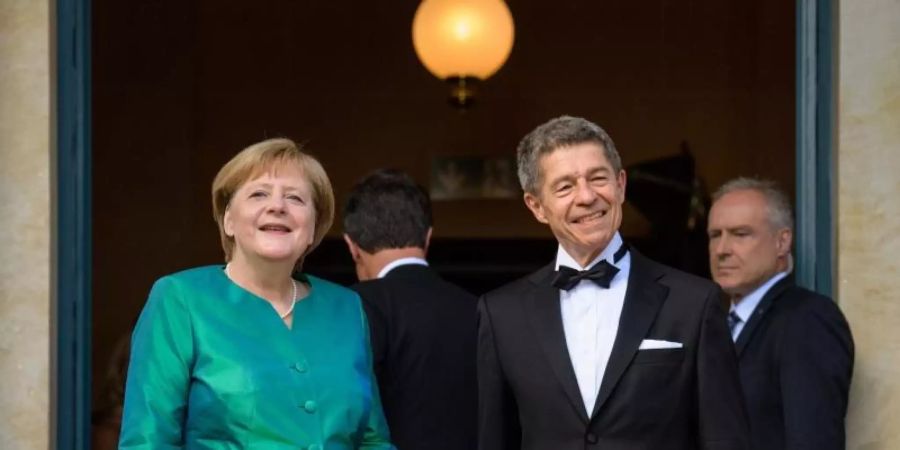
(473, 177)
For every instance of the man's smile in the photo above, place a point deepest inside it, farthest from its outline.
(590, 218)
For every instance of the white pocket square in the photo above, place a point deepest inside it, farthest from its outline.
(654, 344)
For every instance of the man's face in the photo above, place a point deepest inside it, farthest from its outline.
(580, 197)
(745, 250)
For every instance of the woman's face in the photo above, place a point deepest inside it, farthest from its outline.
(273, 216)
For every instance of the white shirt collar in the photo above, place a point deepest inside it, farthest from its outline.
(564, 259)
(401, 262)
(590, 316)
(744, 309)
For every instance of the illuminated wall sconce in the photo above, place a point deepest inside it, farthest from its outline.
(463, 42)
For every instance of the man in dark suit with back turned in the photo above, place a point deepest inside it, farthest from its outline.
(795, 351)
(602, 348)
(422, 327)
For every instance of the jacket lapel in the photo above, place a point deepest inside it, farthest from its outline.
(546, 319)
(643, 298)
(759, 313)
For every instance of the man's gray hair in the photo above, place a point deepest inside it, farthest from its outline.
(779, 207)
(564, 131)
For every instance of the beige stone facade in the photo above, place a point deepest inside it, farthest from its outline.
(868, 215)
(25, 149)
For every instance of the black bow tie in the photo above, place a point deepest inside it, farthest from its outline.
(601, 273)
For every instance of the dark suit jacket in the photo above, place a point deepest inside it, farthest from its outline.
(423, 340)
(687, 398)
(796, 358)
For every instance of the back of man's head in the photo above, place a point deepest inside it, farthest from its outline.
(386, 210)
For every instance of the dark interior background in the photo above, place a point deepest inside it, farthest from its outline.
(180, 87)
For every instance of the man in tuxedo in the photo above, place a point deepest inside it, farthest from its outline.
(423, 328)
(795, 351)
(602, 348)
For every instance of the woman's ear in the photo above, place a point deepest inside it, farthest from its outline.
(227, 224)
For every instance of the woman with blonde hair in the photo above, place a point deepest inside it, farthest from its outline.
(255, 354)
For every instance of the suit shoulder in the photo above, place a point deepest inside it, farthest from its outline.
(798, 294)
(804, 305)
(682, 281)
(513, 290)
(388, 289)
(512, 287)
(367, 288)
(196, 274)
(809, 320)
(457, 291)
(373, 293)
(189, 289)
(202, 278)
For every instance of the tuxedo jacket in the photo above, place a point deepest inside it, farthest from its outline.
(657, 399)
(423, 343)
(796, 359)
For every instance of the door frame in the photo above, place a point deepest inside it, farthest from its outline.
(70, 419)
(816, 197)
(71, 346)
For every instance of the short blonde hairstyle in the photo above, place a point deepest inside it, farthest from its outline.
(261, 158)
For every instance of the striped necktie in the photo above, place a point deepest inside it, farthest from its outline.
(733, 321)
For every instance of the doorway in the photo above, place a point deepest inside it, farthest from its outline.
(160, 112)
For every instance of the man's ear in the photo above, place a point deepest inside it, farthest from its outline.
(533, 203)
(352, 247)
(428, 239)
(783, 240)
(621, 181)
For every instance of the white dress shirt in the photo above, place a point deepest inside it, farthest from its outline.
(401, 262)
(590, 316)
(744, 308)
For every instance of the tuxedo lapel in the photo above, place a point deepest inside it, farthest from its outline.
(643, 299)
(545, 317)
(759, 314)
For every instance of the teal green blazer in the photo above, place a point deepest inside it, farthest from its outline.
(214, 367)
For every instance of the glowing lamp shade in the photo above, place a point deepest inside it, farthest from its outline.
(463, 38)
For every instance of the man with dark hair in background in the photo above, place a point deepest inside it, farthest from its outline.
(423, 328)
(794, 347)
